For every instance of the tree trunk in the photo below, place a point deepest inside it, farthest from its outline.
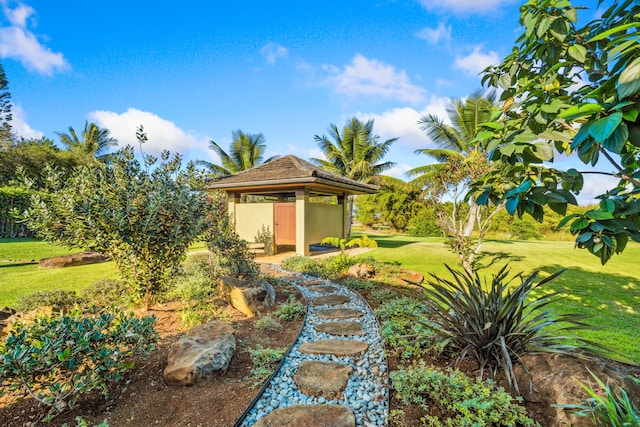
(349, 215)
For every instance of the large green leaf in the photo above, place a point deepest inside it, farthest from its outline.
(578, 111)
(629, 80)
(615, 143)
(578, 52)
(603, 128)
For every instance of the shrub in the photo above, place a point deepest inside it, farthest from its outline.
(56, 360)
(463, 400)
(334, 241)
(59, 301)
(265, 236)
(362, 242)
(403, 327)
(194, 281)
(264, 360)
(291, 310)
(268, 323)
(202, 312)
(357, 284)
(105, 293)
(302, 264)
(495, 325)
(614, 410)
(382, 295)
(335, 265)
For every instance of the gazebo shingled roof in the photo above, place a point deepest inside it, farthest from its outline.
(289, 171)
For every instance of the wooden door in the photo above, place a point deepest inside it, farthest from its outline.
(284, 227)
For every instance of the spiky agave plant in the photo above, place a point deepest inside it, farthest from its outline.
(497, 323)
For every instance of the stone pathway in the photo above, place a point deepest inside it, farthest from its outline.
(336, 373)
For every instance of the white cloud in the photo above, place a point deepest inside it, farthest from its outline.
(476, 61)
(373, 78)
(316, 153)
(163, 134)
(272, 51)
(436, 35)
(402, 123)
(17, 42)
(595, 185)
(465, 6)
(399, 171)
(20, 126)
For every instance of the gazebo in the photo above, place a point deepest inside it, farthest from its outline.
(299, 202)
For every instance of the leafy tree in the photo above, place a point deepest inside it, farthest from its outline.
(245, 152)
(461, 159)
(356, 154)
(5, 110)
(574, 89)
(142, 215)
(92, 142)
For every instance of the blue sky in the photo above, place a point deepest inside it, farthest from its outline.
(194, 71)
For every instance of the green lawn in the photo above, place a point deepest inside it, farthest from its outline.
(609, 295)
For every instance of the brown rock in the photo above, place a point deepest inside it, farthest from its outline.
(339, 313)
(340, 328)
(323, 289)
(331, 300)
(309, 416)
(335, 347)
(292, 278)
(322, 379)
(313, 282)
(361, 271)
(411, 277)
(204, 350)
(72, 260)
(248, 297)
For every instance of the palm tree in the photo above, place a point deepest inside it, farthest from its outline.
(93, 141)
(356, 154)
(461, 159)
(246, 151)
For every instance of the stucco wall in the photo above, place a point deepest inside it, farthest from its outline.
(323, 220)
(250, 217)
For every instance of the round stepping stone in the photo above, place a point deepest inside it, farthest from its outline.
(322, 379)
(292, 278)
(309, 416)
(339, 313)
(324, 289)
(335, 347)
(331, 300)
(312, 282)
(341, 328)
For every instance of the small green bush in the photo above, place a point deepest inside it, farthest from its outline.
(56, 360)
(465, 401)
(105, 293)
(336, 265)
(265, 236)
(268, 323)
(362, 242)
(59, 301)
(382, 295)
(357, 284)
(202, 312)
(264, 360)
(194, 281)
(403, 325)
(612, 409)
(291, 310)
(302, 264)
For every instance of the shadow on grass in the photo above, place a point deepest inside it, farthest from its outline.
(18, 264)
(390, 242)
(486, 259)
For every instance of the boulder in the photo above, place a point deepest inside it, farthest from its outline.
(248, 297)
(72, 260)
(309, 416)
(411, 277)
(203, 351)
(361, 271)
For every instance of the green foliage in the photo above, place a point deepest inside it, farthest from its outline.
(524, 229)
(425, 223)
(362, 242)
(107, 293)
(334, 265)
(357, 284)
(291, 310)
(302, 264)
(57, 360)
(202, 312)
(80, 422)
(194, 281)
(464, 401)
(264, 360)
(334, 241)
(92, 142)
(246, 151)
(403, 325)
(382, 295)
(268, 323)
(59, 301)
(574, 89)
(614, 409)
(13, 199)
(231, 256)
(496, 323)
(143, 216)
(265, 236)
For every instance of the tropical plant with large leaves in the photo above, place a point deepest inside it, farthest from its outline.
(459, 161)
(246, 151)
(93, 141)
(574, 89)
(355, 154)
